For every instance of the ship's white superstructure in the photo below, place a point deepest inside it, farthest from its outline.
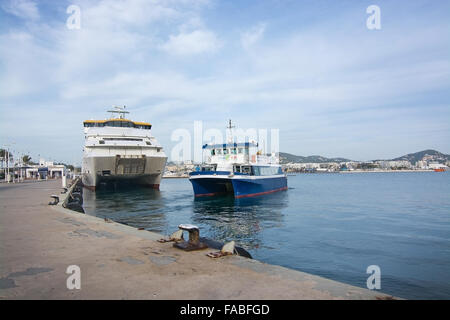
(120, 150)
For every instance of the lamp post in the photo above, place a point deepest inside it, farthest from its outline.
(13, 172)
(20, 167)
(7, 165)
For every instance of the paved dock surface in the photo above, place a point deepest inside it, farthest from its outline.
(38, 242)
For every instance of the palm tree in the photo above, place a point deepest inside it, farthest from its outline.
(26, 159)
(4, 154)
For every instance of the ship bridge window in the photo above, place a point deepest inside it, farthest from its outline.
(126, 124)
(213, 152)
(140, 126)
(92, 124)
(219, 151)
(225, 151)
(122, 139)
(112, 124)
(246, 170)
(233, 151)
(115, 123)
(240, 150)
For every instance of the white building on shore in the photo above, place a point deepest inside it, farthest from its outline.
(437, 165)
(45, 170)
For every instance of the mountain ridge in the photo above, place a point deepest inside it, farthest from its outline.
(411, 157)
(417, 156)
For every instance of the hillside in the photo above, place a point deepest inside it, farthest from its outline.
(417, 156)
(411, 157)
(287, 157)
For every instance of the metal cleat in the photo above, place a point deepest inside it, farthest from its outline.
(227, 250)
(194, 239)
(174, 237)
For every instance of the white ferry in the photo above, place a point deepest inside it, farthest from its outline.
(238, 169)
(120, 150)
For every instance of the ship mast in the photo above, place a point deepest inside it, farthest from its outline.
(120, 111)
(230, 128)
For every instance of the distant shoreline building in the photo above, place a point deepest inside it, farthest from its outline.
(45, 170)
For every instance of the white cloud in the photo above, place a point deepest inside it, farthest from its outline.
(195, 42)
(306, 78)
(114, 35)
(114, 15)
(252, 36)
(24, 9)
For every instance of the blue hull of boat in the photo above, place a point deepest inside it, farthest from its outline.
(240, 187)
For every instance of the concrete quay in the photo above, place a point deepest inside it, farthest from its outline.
(39, 242)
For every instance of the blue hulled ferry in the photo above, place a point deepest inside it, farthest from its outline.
(238, 169)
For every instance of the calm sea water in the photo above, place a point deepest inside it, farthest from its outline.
(331, 225)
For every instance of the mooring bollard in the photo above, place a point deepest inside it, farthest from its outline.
(227, 249)
(194, 242)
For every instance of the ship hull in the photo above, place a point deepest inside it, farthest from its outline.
(244, 188)
(139, 171)
(238, 186)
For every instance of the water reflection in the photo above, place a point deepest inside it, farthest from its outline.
(136, 206)
(241, 220)
(219, 218)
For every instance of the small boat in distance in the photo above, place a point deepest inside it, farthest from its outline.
(120, 150)
(237, 168)
(439, 170)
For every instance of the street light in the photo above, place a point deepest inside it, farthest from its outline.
(7, 164)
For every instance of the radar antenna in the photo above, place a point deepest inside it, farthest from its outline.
(120, 111)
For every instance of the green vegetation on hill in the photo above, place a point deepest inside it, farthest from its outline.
(411, 157)
(414, 157)
(287, 157)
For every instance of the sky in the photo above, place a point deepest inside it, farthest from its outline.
(312, 69)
